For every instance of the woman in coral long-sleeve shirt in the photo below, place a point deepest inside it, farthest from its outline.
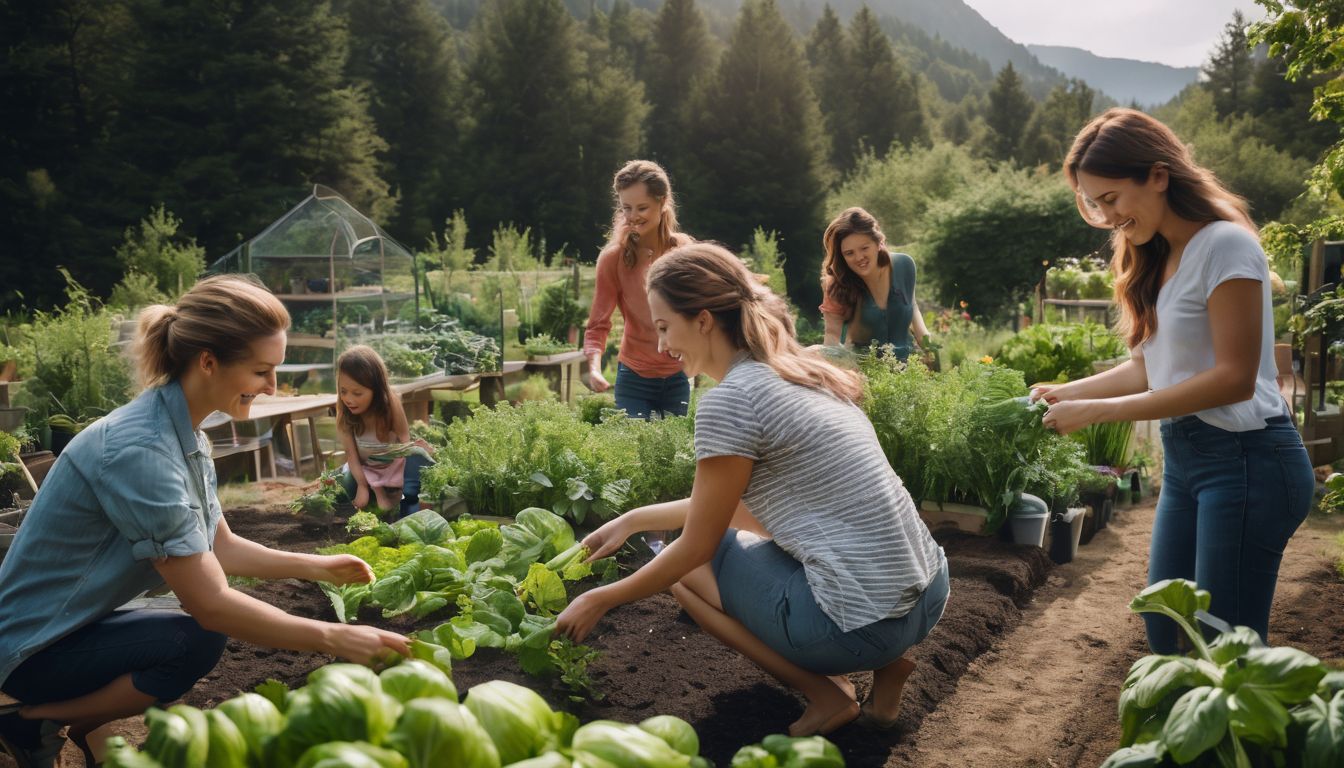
(644, 227)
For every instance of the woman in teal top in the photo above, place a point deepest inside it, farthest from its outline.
(130, 506)
(869, 293)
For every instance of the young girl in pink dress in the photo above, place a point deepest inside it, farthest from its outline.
(373, 428)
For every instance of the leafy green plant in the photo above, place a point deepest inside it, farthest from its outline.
(1049, 353)
(442, 346)
(1231, 702)
(1107, 444)
(76, 372)
(558, 310)
(544, 344)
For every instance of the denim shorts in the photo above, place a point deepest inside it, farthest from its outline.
(763, 587)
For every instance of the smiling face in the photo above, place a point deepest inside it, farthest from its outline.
(232, 387)
(354, 396)
(679, 336)
(643, 212)
(861, 254)
(1138, 210)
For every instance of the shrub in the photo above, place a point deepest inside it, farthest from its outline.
(558, 310)
(1051, 353)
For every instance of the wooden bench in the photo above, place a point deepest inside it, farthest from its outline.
(222, 432)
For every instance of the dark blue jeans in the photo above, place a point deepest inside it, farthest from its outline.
(164, 651)
(641, 397)
(1230, 501)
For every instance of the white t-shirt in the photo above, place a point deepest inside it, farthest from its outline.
(1183, 343)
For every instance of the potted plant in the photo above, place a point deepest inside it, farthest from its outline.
(543, 348)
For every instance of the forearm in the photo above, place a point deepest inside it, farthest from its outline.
(678, 559)
(668, 516)
(241, 557)
(245, 618)
(1208, 389)
(1127, 378)
(917, 325)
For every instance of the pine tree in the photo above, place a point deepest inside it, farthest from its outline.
(1009, 110)
(887, 102)
(402, 51)
(760, 152)
(229, 140)
(681, 56)
(549, 128)
(1050, 132)
(828, 51)
(1230, 68)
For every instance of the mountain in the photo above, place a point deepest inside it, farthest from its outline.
(1125, 80)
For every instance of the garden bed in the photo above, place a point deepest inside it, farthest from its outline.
(655, 660)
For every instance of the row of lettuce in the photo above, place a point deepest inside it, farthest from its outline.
(964, 434)
(410, 716)
(503, 585)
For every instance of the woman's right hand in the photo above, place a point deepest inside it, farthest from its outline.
(606, 539)
(366, 645)
(362, 497)
(596, 381)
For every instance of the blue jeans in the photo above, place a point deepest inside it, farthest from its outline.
(164, 651)
(1230, 501)
(641, 397)
(763, 587)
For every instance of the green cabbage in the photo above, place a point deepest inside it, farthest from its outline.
(228, 748)
(519, 721)
(178, 736)
(257, 719)
(754, 756)
(626, 746)
(548, 760)
(438, 732)
(121, 755)
(803, 752)
(676, 732)
(346, 754)
(415, 679)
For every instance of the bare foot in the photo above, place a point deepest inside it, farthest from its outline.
(884, 703)
(829, 711)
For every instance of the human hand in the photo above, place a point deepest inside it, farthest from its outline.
(1070, 416)
(596, 381)
(582, 614)
(1050, 393)
(362, 497)
(605, 540)
(370, 646)
(342, 569)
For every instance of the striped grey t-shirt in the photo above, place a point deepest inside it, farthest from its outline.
(822, 487)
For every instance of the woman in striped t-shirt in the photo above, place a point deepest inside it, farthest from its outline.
(831, 571)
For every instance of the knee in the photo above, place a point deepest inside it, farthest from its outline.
(681, 593)
(201, 649)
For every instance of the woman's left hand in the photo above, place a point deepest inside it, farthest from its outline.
(1068, 416)
(579, 617)
(342, 569)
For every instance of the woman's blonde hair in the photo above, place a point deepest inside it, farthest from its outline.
(704, 277)
(659, 187)
(221, 315)
(1128, 144)
(838, 281)
(363, 364)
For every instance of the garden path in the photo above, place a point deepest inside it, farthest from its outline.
(1046, 694)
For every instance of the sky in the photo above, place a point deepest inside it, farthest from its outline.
(1176, 32)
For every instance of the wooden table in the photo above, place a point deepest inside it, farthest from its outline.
(417, 395)
(283, 411)
(565, 367)
(492, 384)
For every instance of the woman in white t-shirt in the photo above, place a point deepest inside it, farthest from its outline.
(1193, 287)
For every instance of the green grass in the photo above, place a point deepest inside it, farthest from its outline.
(244, 494)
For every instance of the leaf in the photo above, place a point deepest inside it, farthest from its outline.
(1177, 595)
(1325, 739)
(433, 653)
(274, 691)
(1196, 724)
(543, 589)
(541, 479)
(1162, 679)
(1288, 674)
(1259, 717)
(1230, 645)
(1139, 756)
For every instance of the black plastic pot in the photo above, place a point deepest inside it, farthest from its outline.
(59, 439)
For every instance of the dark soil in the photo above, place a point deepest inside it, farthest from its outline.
(655, 660)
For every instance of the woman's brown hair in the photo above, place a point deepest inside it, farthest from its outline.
(704, 277)
(1128, 144)
(659, 187)
(838, 281)
(363, 364)
(221, 315)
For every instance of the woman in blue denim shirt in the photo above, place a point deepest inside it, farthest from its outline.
(1193, 287)
(131, 505)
